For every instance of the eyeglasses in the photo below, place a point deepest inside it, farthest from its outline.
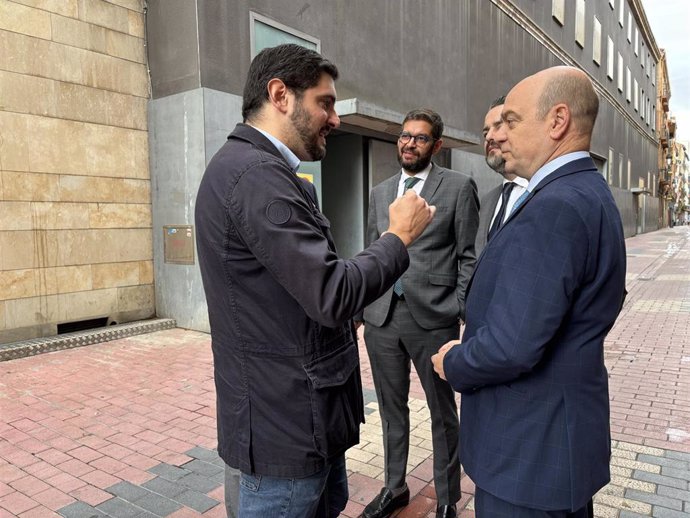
(421, 139)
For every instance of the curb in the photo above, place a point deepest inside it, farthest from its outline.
(16, 350)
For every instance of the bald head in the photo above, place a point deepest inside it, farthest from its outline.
(546, 115)
(572, 87)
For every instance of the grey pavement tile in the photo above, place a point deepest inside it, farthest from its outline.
(127, 491)
(678, 455)
(219, 478)
(218, 462)
(676, 473)
(117, 507)
(80, 510)
(202, 468)
(630, 514)
(655, 500)
(199, 483)
(661, 480)
(202, 453)
(674, 493)
(158, 505)
(164, 487)
(662, 512)
(664, 461)
(197, 501)
(369, 396)
(168, 471)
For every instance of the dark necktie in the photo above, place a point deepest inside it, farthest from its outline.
(409, 183)
(498, 220)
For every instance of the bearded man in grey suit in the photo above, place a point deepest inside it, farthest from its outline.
(497, 204)
(421, 311)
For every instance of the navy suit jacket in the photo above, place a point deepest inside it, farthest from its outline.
(546, 291)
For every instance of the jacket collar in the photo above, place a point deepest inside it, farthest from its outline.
(247, 133)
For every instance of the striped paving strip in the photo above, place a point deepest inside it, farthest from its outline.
(661, 306)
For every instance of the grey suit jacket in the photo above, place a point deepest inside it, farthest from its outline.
(487, 208)
(441, 259)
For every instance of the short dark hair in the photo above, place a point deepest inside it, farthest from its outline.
(497, 102)
(427, 115)
(296, 66)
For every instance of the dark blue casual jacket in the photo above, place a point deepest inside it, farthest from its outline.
(280, 301)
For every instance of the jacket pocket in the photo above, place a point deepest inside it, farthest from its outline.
(336, 400)
(440, 279)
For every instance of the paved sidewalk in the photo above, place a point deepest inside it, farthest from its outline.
(127, 428)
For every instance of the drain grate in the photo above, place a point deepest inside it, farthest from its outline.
(35, 346)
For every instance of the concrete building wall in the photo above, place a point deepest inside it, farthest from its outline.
(454, 57)
(75, 209)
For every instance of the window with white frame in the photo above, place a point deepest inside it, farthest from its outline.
(620, 170)
(621, 12)
(629, 172)
(265, 33)
(596, 41)
(636, 46)
(636, 95)
(628, 84)
(630, 20)
(580, 23)
(642, 53)
(648, 66)
(621, 78)
(642, 104)
(609, 167)
(609, 58)
(558, 11)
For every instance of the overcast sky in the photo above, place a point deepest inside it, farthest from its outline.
(670, 22)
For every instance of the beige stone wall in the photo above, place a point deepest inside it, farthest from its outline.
(75, 203)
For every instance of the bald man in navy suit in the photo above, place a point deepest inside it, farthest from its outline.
(534, 426)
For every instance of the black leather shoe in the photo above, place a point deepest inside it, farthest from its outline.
(445, 511)
(385, 503)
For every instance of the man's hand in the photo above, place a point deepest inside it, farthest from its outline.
(409, 215)
(437, 359)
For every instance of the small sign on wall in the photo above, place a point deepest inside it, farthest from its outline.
(178, 244)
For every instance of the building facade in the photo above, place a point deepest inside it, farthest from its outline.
(452, 56)
(75, 200)
(111, 110)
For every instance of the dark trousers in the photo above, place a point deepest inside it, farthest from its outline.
(487, 505)
(392, 348)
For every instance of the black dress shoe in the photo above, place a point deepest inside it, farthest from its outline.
(445, 511)
(385, 503)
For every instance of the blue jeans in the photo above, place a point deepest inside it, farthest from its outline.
(322, 495)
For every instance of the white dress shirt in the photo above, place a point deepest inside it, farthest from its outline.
(518, 189)
(422, 175)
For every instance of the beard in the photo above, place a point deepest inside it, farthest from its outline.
(419, 163)
(496, 163)
(302, 122)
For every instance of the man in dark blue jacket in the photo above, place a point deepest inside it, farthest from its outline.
(534, 425)
(289, 396)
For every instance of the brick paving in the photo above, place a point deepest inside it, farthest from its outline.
(127, 428)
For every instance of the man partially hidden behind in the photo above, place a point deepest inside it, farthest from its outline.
(406, 325)
(497, 204)
(534, 426)
(280, 301)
